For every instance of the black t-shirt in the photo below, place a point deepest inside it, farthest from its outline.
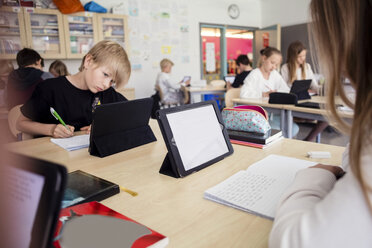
(72, 104)
(239, 79)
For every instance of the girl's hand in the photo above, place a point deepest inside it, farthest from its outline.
(86, 128)
(336, 170)
(61, 131)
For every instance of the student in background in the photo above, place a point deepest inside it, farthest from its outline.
(58, 68)
(265, 80)
(6, 67)
(171, 92)
(22, 81)
(296, 68)
(244, 66)
(74, 96)
(322, 208)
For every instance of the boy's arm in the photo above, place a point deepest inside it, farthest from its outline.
(26, 125)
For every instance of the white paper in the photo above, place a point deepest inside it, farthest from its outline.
(259, 188)
(210, 57)
(73, 143)
(197, 135)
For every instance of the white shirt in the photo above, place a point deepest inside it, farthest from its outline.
(318, 211)
(308, 75)
(255, 84)
(169, 89)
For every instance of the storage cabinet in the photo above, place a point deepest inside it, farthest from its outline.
(113, 27)
(57, 36)
(44, 31)
(81, 33)
(12, 32)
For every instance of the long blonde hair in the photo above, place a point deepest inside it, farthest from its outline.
(294, 49)
(342, 30)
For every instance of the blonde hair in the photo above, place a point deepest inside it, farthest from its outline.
(6, 67)
(113, 55)
(267, 52)
(165, 62)
(294, 49)
(342, 32)
(59, 67)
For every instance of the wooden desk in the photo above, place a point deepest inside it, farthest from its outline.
(175, 207)
(197, 92)
(289, 111)
(129, 93)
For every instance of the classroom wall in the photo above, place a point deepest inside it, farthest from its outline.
(187, 56)
(284, 12)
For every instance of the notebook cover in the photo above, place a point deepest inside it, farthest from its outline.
(255, 137)
(84, 187)
(144, 238)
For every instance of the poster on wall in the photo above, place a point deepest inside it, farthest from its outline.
(265, 39)
(210, 57)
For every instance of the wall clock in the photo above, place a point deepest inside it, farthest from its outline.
(233, 11)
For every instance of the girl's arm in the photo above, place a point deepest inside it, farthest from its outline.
(251, 87)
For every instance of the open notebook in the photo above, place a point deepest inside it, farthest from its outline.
(72, 143)
(258, 189)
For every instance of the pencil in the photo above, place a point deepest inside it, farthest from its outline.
(131, 192)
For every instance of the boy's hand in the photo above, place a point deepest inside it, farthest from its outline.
(61, 131)
(86, 128)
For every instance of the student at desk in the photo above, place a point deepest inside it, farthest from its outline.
(265, 80)
(244, 67)
(318, 210)
(171, 92)
(74, 97)
(296, 68)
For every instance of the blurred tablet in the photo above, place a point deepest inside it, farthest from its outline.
(31, 192)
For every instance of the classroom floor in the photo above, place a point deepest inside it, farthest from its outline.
(329, 135)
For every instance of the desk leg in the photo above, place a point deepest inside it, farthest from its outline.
(282, 123)
(289, 123)
(195, 97)
(317, 138)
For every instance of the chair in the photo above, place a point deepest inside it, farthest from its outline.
(218, 83)
(13, 116)
(231, 94)
(162, 103)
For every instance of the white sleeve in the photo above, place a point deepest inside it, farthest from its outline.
(280, 84)
(310, 75)
(251, 87)
(285, 74)
(167, 83)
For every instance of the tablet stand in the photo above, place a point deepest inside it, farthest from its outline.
(167, 167)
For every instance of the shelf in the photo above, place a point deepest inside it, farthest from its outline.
(82, 35)
(114, 36)
(9, 26)
(113, 24)
(77, 22)
(44, 27)
(9, 34)
(45, 34)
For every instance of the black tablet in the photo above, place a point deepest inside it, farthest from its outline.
(195, 137)
(31, 194)
(300, 88)
(120, 126)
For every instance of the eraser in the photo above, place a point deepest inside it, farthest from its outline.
(319, 154)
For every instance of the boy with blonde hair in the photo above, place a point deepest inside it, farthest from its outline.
(171, 92)
(74, 96)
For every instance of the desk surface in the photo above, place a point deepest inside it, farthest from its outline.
(205, 88)
(264, 103)
(175, 207)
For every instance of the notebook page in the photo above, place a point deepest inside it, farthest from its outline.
(73, 143)
(258, 189)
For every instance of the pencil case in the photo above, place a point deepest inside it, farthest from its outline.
(247, 118)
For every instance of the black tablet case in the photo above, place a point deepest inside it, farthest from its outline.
(89, 187)
(171, 165)
(120, 126)
(300, 88)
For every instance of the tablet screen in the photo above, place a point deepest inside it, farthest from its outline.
(185, 79)
(197, 135)
(24, 189)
